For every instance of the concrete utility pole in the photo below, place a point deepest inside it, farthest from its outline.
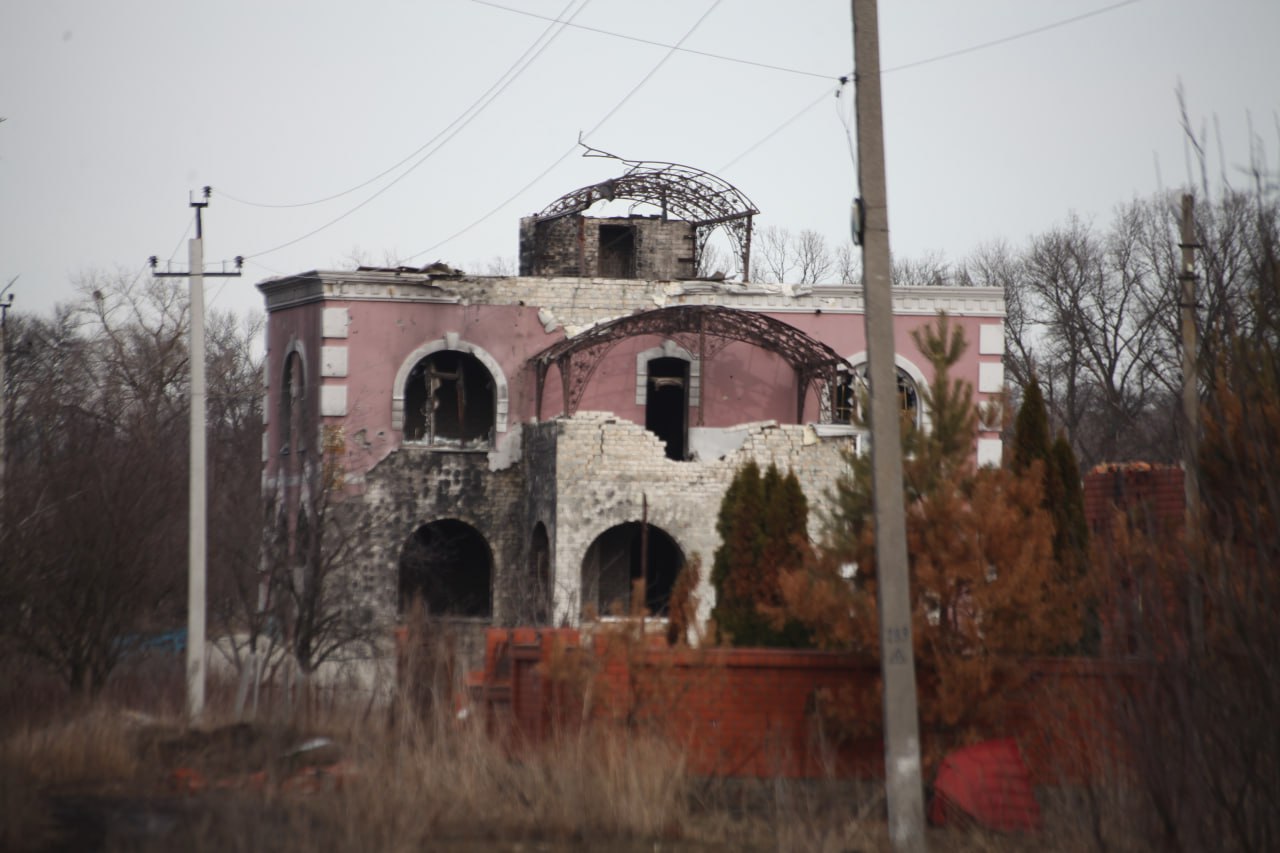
(1191, 419)
(903, 788)
(197, 523)
(5, 305)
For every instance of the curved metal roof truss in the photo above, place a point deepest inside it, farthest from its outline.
(701, 329)
(686, 193)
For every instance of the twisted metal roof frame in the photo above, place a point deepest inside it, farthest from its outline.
(691, 326)
(692, 195)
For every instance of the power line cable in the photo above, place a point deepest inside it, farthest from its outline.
(458, 127)
(938, 58)
(582, 137)
(1006, 39)
(661, 62)
(191, 220)
(478, 105)
(826, 93)
(844, 117)
(661, 44)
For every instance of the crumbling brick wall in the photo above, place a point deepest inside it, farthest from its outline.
(415, 486)
(661, 249)
(607, 469)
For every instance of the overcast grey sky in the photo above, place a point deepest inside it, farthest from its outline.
(116, 110)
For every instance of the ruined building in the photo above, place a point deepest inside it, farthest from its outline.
(506, 439)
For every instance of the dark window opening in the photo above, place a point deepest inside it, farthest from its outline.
(449, 401)
(614, 564)
(845, 406)
(617, 251)
(850, 397)
(666, 412)
(448, 566)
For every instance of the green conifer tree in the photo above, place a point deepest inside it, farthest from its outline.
(762, 526)
(1031, 429)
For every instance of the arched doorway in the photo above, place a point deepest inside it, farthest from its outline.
(614, 562)
(448, 565)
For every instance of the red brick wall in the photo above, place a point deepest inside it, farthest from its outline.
(753, 712)
(1149, 495)
(1142, 590)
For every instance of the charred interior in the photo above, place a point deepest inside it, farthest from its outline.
(447, 565)
(850, 397)
(619, 558)
(449, 401)
(617, 251)
(666, 413)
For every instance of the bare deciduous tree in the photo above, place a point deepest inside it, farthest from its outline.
(99, 399)
(779, 257)
(309, 565)
(929, 270)
(813, 259)
(848, 264)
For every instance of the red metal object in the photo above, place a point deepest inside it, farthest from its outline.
(989, 784)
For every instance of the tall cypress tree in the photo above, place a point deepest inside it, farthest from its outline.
(1063, 493)
(1031, 429)
(762, 526)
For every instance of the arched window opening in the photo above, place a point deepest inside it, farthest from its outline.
(292, 394)
(449, 401)
(666, 412)
(850, 397)
(447, 564)
(620, 557)
(536, 598)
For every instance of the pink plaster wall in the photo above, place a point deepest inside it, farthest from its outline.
(383, 335)
(742, 383)
(301, 325)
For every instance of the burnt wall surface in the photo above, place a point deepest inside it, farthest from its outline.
(646, 247)
(530, 597)
(413, 487)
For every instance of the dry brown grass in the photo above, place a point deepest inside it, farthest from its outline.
(410, 782)
(96, 750)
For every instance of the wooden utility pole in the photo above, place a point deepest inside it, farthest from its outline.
(1191, 421)
(903, 788)
(198, 490)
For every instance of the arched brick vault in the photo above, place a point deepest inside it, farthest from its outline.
(703, 330)
(692, 195)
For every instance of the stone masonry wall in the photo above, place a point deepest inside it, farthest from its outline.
(607, 466)
(575, 303)
(416, 486)
(540, 455)
(570, 246)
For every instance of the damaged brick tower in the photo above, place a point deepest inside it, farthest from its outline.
(520, 449)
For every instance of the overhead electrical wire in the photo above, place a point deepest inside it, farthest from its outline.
(826, 93)
(477, 106)
(1006, 39)
(457, 126)
(690, 50)
(919, 62)
(582, 137)
(562, 22)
